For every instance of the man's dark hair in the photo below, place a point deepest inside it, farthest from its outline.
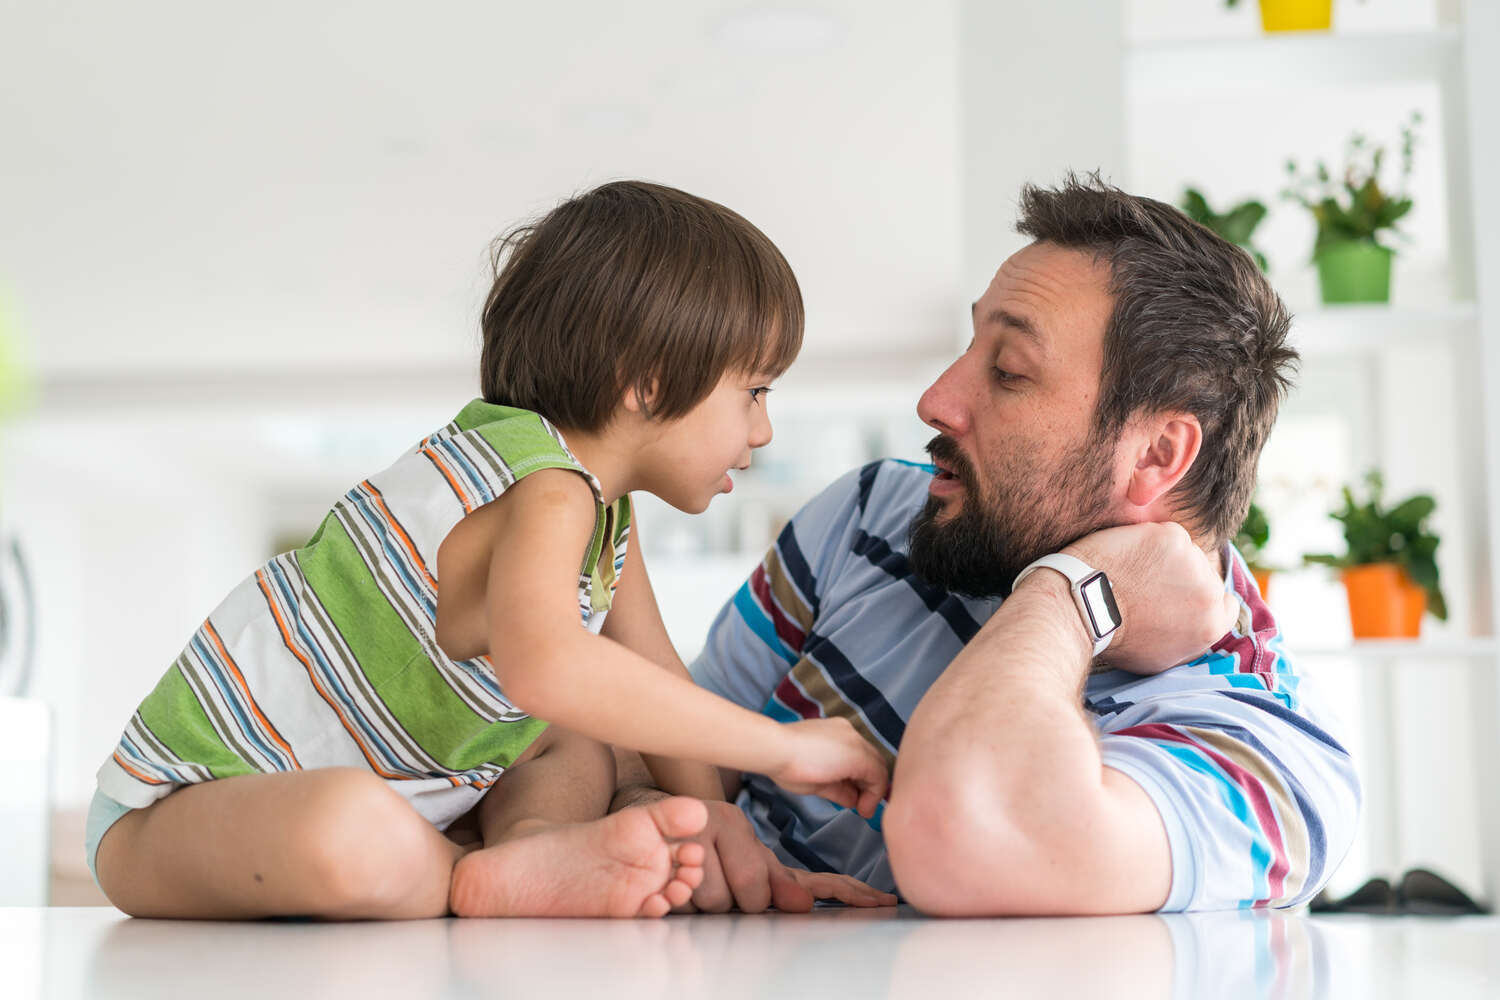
(633, 287)
(1195, 328)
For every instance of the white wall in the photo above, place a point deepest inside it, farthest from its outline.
(1041, 96)
(194, 185)
(246, 250)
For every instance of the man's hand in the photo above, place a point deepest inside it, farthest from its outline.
(1172, 601)
(739, 871)
(828, 757)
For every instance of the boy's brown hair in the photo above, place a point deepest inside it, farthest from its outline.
(633, 287)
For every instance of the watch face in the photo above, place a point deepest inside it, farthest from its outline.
(1099, 599)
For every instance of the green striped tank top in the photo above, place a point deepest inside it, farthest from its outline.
(326, 656)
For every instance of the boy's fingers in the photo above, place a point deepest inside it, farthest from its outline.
(842, 794)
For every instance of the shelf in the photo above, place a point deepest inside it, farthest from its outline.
(1252, 66)
(1333, 331)
(1444, 648)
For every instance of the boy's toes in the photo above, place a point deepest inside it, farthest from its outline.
(654, 905)
(689, 875)
(679, 817)
(678, 892)
(689, 854)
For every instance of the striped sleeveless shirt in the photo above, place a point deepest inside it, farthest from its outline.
(326, 656)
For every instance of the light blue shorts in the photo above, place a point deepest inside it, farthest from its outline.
(104, 812)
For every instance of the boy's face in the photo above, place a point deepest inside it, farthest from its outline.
(689, 461)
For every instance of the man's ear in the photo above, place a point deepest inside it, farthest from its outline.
(1168, 446)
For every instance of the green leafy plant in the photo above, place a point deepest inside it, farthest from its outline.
(1235, 225)
(1354, 207)
(1252, 537)
(1374, 533)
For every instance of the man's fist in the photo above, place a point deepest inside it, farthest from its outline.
(1171, 595)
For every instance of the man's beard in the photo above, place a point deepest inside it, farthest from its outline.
(979, 550)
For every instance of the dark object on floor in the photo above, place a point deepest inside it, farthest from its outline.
(1419, 893)
(1425, 892)
(1375, 896)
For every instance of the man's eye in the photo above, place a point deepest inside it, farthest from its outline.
(1004, 377)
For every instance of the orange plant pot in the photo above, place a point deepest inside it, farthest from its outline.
(1384, 603)
(1262, 581)
(1296, 15)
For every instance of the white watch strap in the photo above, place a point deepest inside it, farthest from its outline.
(1076, 571)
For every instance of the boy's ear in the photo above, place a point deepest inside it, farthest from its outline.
(641, 401)
(1168, 444)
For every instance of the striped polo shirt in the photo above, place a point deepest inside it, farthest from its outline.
(327, 656)
(1260, 801)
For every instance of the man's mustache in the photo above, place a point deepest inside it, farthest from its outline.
(945, 450)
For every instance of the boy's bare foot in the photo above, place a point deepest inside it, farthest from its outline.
(630, 864)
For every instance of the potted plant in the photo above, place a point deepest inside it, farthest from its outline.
(1235, 225)
(1251, 540)
(1390, 567)
(1293, 15)
(1351, 212)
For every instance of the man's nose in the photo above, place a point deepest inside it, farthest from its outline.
(943, 406)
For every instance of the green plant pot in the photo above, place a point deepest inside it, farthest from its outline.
(1356, 271)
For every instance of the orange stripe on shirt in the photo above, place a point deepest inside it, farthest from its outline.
(239, 679)
(406, 542)
(452, 483)
(286, 637)
(137, 774)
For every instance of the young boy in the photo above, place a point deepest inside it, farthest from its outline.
(352, 699)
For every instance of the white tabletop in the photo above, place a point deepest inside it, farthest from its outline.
(99, 953)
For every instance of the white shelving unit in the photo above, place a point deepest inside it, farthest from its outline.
(1293, 60)
(1460, 59)
(1410, 651)
(1352, 331)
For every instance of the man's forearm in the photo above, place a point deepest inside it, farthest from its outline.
(1003, 724)
(999, 794)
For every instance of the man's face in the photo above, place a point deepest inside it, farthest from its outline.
(1019, 472)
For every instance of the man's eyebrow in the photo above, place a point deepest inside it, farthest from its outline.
(1020, 324)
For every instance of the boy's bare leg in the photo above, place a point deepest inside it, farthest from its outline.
(547, 852)
(334, 843)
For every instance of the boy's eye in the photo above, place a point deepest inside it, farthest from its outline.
(758, 392)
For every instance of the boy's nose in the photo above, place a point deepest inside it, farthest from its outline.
(760, 431)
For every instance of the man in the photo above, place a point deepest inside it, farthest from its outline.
(1125, 371)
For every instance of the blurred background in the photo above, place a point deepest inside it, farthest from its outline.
(242, 255)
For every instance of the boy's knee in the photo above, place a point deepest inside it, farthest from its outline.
(367, 846)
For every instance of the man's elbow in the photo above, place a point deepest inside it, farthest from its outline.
(967, 852)
(947, 851)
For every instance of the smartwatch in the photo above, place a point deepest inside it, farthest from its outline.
(1091, 592)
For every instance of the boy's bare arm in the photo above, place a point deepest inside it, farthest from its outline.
(592, 684)
(635, 622)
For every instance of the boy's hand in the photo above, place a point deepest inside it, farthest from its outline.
(827, 757)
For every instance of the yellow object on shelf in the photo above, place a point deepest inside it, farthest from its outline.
(1296, 15)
